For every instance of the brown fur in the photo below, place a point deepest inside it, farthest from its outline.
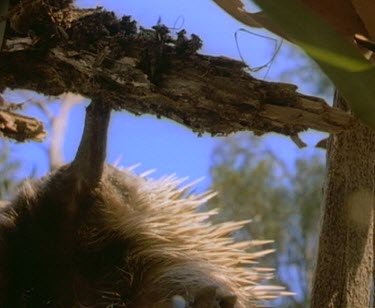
(91, 235)
(134, 242)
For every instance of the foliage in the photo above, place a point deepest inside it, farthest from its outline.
(283, 205)
(340, 60)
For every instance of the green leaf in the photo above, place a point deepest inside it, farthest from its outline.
(353, 75)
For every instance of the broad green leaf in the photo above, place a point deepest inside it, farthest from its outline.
(353, 75)
(236, 9)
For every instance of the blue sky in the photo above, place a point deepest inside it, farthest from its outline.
(162, 144)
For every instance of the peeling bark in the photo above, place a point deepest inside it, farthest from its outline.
(147, 71)
(52, 47)
(19, 127)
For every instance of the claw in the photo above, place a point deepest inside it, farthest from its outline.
(174, 302)
(178, 302)
(209, 297)
(206, 297)
(228, 301)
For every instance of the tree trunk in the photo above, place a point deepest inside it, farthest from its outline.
(345, 258)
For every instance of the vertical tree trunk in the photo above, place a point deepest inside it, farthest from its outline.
(343, 275)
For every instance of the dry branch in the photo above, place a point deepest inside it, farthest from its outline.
(19, 127)
(147, 71)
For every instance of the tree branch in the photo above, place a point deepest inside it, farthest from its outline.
(19, 127)
(148, 71)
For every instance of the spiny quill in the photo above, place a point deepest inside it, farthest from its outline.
(92, 235)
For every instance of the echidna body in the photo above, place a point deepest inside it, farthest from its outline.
(108, 238)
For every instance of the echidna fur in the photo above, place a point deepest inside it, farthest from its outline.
(127, 241)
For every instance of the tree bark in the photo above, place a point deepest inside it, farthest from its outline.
(93, 53)
(343, 274)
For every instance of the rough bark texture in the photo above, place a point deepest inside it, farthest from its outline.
(52, 47)
(93, 53)
(345, 261)
(19, 127)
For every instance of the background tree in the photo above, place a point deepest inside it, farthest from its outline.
(284, 205)
(97, 55)
(329, 35)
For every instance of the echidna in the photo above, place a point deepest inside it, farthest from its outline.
(91, 235)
